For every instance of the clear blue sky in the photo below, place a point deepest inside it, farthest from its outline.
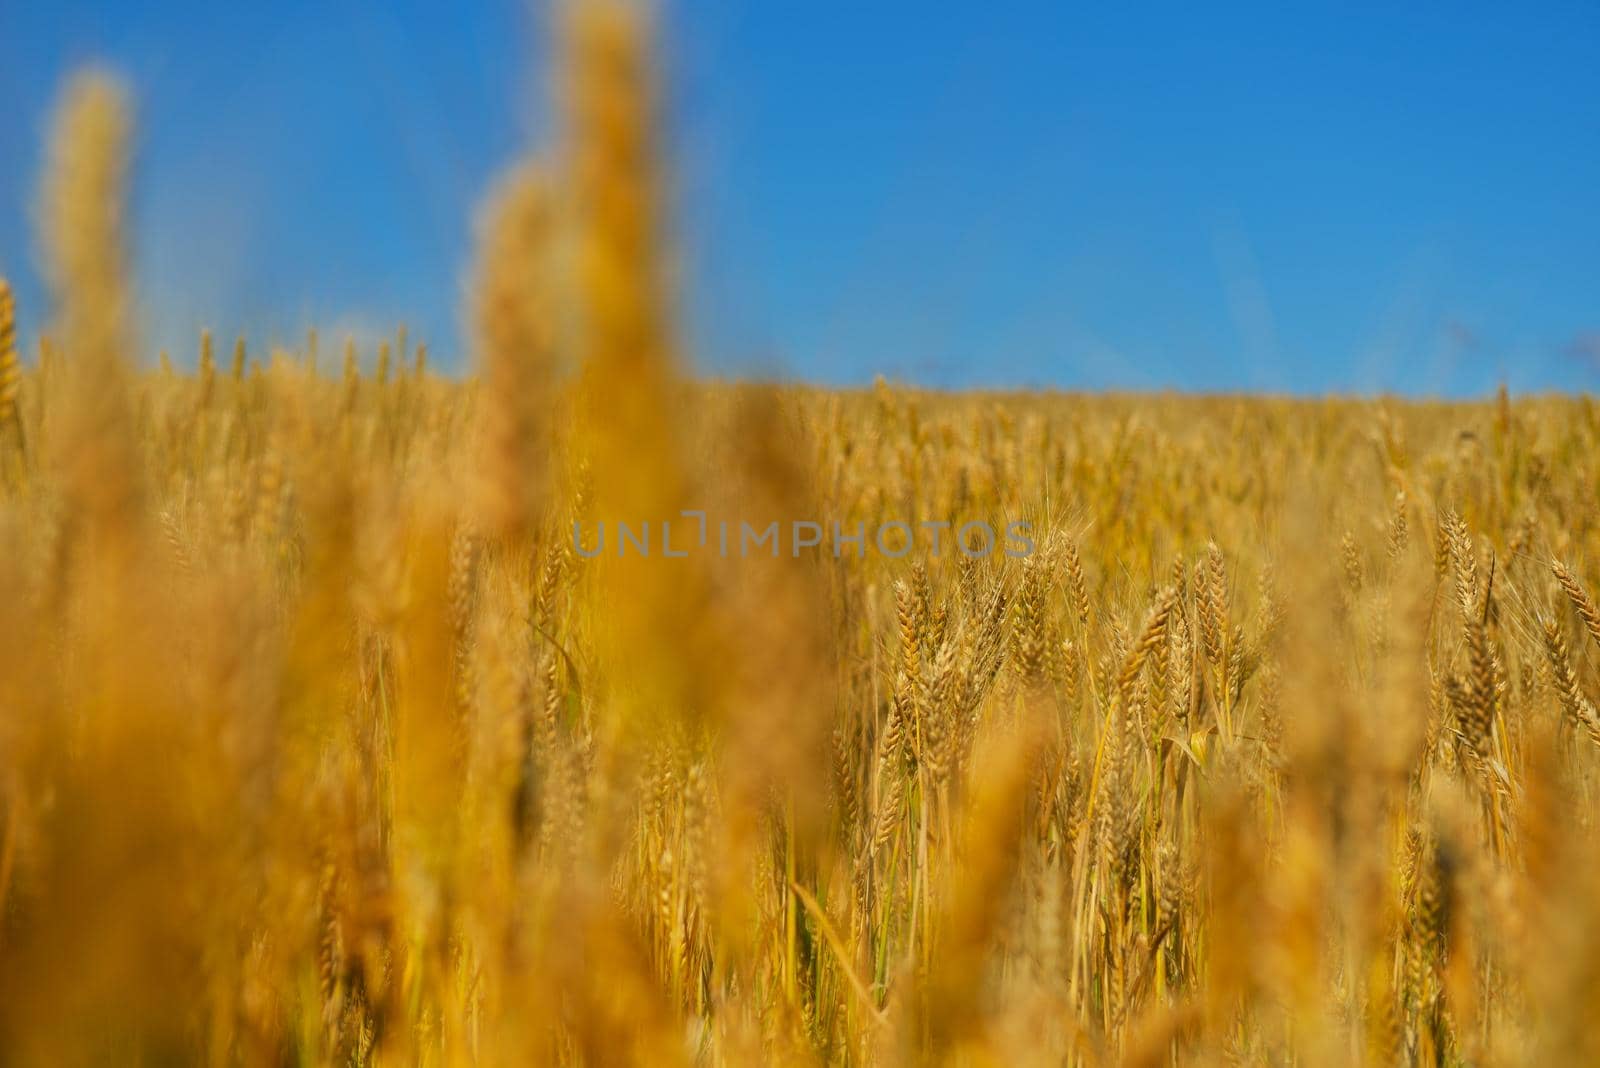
(1285, 197)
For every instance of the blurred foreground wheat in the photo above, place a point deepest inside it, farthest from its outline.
(321, 744)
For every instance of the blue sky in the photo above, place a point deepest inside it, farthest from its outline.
(1284, 197)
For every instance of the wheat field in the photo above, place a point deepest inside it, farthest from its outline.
(329, 735)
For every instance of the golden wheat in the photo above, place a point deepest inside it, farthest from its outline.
(1277, 748)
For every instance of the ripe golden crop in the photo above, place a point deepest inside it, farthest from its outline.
(321, 744)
